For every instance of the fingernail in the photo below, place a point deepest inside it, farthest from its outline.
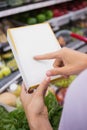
(48, 73)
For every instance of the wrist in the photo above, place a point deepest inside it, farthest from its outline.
(85, 61)
(39, 123)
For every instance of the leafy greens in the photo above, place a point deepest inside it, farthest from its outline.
(16, 120)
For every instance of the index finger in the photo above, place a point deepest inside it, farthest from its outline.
(46, 56)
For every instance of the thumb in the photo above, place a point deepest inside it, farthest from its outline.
(66, 70)
(41, 90)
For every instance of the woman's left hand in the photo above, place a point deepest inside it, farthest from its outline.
(35, 109)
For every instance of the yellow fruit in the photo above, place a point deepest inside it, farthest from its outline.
(15, 89)
(6, 71)
(1, 74)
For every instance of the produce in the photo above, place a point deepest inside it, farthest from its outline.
(8, 99)
(49, 14)
(54, 110)
(50, 89)
(41, 18)
(63, 82)
(7, 55)
(3, 112)
(18, 102)
(15, 89)
(1, 75)
(16, 120)
(15, 2)
(31, 21)
(6, 71)
(56, 13)
(12, 64)
(60, 95)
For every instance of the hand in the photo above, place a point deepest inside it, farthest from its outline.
(35, 109)
(67, 62)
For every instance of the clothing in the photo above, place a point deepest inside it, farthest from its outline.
(74, 116)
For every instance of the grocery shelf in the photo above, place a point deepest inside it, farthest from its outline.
(4, 83)
(55, 23)
(6, 48)
(60, 20)
(78, 14)
(86, 10)
(74, 15)
(29, 7)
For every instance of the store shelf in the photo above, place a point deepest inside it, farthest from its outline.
(55, 23)
(29, 7)
(86, 10)
(60, 20)
(4, 83)
(78, 14)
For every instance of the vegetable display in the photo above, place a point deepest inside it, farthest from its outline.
(63, 82)
(16, 120)
(54, 110)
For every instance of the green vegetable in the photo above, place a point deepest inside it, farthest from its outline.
(63, 82)
(31, 21)
(49, 14)
(16, 120)
(41, 18)
(15, 2)
(3, 112)
(54, 110)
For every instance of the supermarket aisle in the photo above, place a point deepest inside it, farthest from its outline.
(63, 16)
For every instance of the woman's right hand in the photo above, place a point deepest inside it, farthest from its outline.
(67, 62)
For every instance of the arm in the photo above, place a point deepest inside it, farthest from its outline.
(35, 109)
(40, 123)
